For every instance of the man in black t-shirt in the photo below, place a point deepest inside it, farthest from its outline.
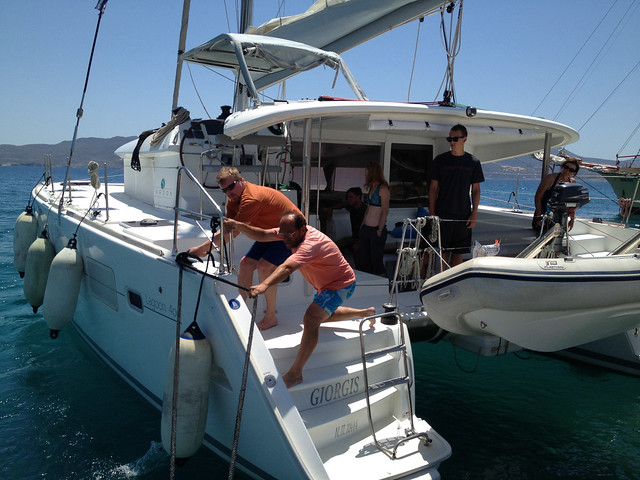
(453, 175)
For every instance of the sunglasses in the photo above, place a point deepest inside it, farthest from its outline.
(286, 235)
(453, 139)
(229, 187)
(572, 170)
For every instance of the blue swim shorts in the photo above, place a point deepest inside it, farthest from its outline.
(330, 300)
(273, 252)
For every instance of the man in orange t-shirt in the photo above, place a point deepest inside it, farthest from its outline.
(322, 265)
(261, 207)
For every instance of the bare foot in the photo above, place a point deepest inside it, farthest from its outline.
(291, 379)
(367, 312)
(267, 322)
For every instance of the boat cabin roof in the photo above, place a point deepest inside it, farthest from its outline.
(264, 61)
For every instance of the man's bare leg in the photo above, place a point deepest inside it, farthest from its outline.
(456, 259)
(245, 274)
(270, 319)
(313, 317)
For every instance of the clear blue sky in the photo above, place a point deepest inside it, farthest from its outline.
(512, 53)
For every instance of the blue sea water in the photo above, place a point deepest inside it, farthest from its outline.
(64, 415)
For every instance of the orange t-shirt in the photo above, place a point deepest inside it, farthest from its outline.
(259, 206)
(321, 262)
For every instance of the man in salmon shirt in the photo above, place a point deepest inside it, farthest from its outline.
(261, 207)
(319, 260)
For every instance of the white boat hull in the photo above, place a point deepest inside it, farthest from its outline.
(539, 304)
(127, 312)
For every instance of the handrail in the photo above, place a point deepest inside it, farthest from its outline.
(405, 378)
(178, 209)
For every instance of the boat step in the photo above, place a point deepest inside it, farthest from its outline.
(348, 418)
(326, 385)
(392, 382)
(372, 464)
(382, 351)
(338, 343)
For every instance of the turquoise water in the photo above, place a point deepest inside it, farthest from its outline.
(65, 415)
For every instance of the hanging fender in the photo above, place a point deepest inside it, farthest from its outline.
(192, 398)
(63, 288)
(39, 258)
(24, 233)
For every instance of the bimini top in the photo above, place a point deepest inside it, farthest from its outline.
(265, 61)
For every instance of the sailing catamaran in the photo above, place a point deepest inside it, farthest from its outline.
(137, 301)
(137, 294)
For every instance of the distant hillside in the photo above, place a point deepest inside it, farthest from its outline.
(85, 150)
(101, 150)
(529, 167)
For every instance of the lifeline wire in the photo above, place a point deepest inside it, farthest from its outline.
(32, 189)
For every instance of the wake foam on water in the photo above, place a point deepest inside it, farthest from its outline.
(155, 459)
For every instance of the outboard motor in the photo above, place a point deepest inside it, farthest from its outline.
(565, 200)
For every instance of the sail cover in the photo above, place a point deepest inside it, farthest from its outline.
(339, 25)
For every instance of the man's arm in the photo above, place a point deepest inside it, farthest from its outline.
(202, 249)
(281, 272)
(254, 233)
(433, 196)
(475, 201)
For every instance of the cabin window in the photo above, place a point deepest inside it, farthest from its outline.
(342, 165)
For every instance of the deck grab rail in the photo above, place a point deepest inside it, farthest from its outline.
(204, 195)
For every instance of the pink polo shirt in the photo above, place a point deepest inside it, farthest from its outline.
(321, 262)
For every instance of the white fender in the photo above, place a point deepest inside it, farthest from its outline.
(193, 393)
(63, 287)
(24, 233)
(39, 258)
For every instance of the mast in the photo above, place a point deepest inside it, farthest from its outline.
(181, 44)
(246, 17)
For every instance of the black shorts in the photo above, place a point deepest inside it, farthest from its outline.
(455, 236)
(273, 252)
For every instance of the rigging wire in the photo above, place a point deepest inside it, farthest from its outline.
(635, 130)
(452, 49)
(610, 95)
(195, 88)
(415, 54)
(616, 30)
(573, 59)
(226, 15)
(102, 4)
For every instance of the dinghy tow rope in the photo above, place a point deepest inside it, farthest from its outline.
(185, 261)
